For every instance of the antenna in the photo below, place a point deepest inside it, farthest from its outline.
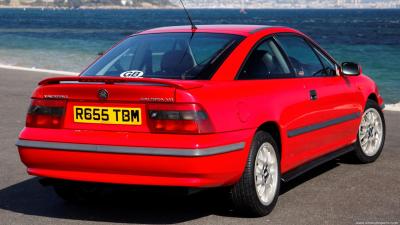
(189, 18)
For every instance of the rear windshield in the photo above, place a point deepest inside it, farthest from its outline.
(187, 56)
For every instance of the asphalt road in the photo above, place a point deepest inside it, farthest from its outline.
(339, 192)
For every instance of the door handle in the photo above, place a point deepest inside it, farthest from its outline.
(313, 95)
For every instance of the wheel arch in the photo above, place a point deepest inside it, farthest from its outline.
(373, 97)
(273, 129)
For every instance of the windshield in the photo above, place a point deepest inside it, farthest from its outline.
(167, 55)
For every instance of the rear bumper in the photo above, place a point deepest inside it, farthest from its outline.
(186, 167)
(131, 150)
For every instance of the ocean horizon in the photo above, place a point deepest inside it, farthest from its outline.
(69, 40)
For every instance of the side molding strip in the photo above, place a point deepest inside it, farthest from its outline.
(132, 150)
(317, 126)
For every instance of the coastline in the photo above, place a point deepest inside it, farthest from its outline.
(392, 107)
(388, 107)
(251, 7)
(110, 7)
(33, 69)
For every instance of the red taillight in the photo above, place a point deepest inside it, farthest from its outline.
(178, 118)
(46, 113)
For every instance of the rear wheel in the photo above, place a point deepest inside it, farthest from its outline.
(371, 134)
(257, 191)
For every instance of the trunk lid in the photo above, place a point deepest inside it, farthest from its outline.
(124, 100)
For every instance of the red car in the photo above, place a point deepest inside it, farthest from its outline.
(238, 106)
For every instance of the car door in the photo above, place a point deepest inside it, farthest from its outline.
(276, 95)
(333, 109)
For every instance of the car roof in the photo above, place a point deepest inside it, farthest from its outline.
(238, 29)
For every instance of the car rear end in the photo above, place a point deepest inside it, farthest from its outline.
(131, 117)
(114, 130)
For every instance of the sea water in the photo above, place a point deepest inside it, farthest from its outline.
(69, 40)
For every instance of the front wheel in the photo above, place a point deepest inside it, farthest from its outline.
(257, 191)
(371, 134)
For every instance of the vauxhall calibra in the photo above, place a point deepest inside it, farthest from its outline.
(237, 106)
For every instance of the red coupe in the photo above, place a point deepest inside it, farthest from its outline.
(238, 106)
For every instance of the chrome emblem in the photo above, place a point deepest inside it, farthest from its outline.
(102, 94)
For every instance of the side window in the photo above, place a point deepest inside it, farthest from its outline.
(302, 57)
(265, 61)
(329, 66)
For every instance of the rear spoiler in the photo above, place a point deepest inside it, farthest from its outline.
(181, 84)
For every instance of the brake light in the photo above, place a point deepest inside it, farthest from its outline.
(46, 113)
(178, 118)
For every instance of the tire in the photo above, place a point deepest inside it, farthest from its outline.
(244, 194)
(77, 192)
(371, 134)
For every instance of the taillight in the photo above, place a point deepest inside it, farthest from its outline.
(178, 118)
(46, 113)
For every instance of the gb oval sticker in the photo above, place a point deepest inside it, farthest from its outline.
(132, 74)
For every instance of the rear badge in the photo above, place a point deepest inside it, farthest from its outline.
(152, 99)
(132, 74)
(56, 96)
(102, 94)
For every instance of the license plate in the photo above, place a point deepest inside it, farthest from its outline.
(107, 115)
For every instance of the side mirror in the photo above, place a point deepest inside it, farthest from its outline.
(350, 69)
